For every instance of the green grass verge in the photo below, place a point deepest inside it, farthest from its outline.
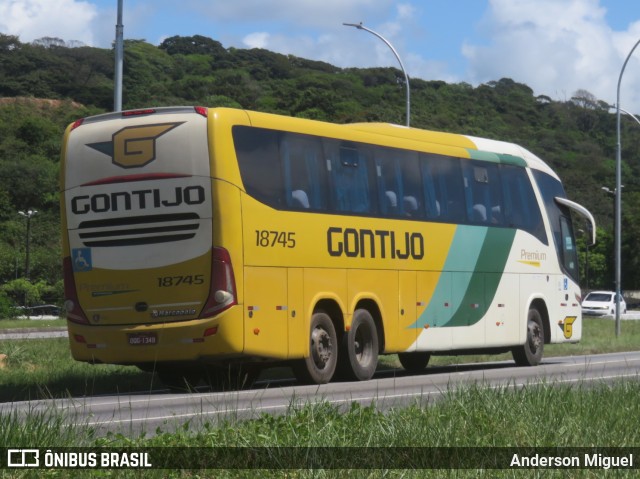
(538, 416)
(9, 324)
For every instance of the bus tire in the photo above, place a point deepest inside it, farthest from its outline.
(320, 365)
(530, 353)
(358, 358)
(414, 362)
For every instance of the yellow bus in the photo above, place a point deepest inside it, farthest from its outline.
(204, 240)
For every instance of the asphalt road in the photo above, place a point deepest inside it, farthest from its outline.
(144, 412)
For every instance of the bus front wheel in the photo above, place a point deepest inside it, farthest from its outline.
(320, 365)
(359, 348)
(414, 362)
(530, 353)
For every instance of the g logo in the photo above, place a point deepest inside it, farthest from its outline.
(567, 326)
(135, 146)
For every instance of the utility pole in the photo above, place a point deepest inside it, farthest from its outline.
(119, 47)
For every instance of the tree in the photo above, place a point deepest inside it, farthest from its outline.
(196, 44)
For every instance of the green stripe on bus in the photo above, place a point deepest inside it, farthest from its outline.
(461, 296)
(496, 157)
(484, 281)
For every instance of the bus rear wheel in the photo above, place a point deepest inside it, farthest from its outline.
(530, 353)
(320, 365)
(414, 362)
(359, 349)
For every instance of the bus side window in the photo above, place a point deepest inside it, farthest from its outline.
(260, 167)
(483, 193)
(349, 168)
(304, 172)
(389, 184)
(413, 197)
(521, 208)
(443, 185)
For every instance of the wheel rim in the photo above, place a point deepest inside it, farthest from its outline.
(321, 347)
(362, 346)
(535, 339)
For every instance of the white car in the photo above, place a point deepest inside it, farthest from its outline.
(601, 303)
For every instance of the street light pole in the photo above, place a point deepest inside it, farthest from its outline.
(360, 26)
(618, 218)
(119, 47)
(629, 114)
(28, 215)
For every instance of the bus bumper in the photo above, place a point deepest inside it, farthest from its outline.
(214, 338)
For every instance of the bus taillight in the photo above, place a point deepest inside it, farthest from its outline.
(222, 294)
(71, 303)
(201, 110)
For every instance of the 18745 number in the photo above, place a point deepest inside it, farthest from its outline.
(271, 239)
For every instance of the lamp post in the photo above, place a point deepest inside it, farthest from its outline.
(613, 107)
(612, 194)
(28, 215)
(117, 77)
(360, 26)
(618, 218)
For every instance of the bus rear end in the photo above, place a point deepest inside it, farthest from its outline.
(143, 282)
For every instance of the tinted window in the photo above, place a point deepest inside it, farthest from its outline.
(399, 183)
(257, 151)
(305, 172)
(521, 208)
(559, 219)
(483, 198)
(350, 177)
(443, 188)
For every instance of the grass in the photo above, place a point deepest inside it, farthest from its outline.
(544, 416)
(43, 368)
(9, 324)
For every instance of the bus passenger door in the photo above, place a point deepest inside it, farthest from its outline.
(266, 312)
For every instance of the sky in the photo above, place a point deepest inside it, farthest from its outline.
(556, 47)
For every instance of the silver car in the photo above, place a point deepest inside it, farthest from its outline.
(601, 303)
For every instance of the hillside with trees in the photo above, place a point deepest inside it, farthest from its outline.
(46, 84)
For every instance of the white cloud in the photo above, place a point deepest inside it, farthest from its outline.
(556, 47)
(32, 19)
(257, 40)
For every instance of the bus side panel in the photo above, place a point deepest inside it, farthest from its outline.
(266, 315)
(434, 289)
(468, 302)
(408, 293)
(298, 336)
(502, 322)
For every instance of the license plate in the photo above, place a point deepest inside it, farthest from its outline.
(142, 339)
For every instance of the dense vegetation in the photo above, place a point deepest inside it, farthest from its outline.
(47, 84)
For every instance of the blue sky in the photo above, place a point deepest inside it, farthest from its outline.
(555, 46)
